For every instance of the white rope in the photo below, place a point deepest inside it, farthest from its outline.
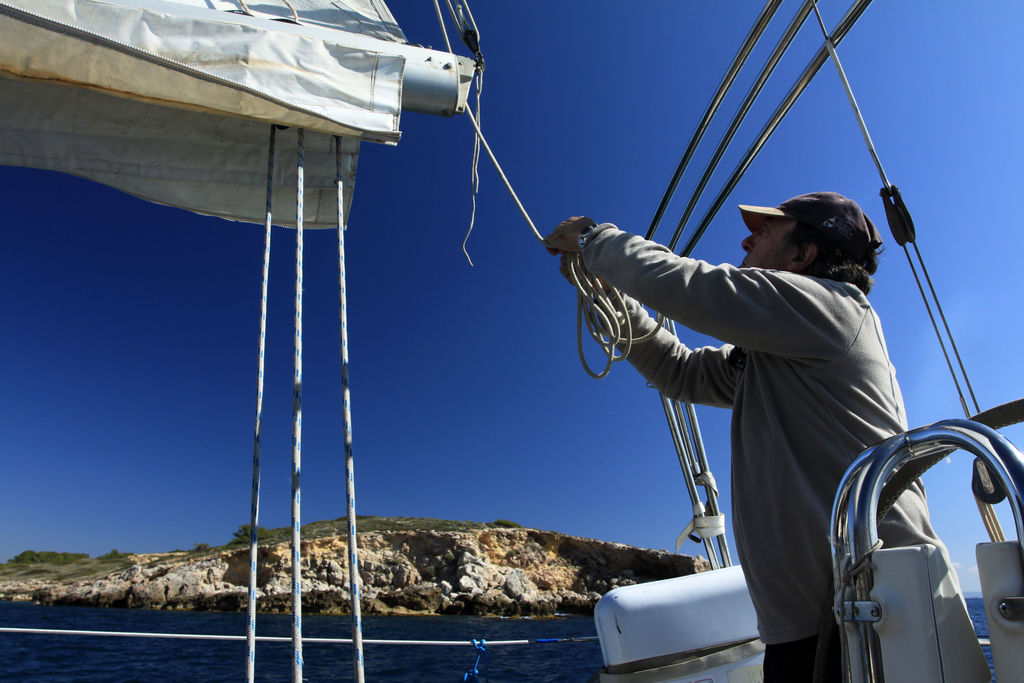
(444, 31)
(297, 425)
(346, 417)
(254, 512)
(501, 174)
(474, 167)
(295, 15)
(600, 311)
(849, 95)
(600, 307)
(279, 639)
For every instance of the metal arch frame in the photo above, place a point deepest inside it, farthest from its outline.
(753, 37)
(844, 26)
(854, 533)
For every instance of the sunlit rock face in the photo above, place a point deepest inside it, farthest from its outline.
(503, 572)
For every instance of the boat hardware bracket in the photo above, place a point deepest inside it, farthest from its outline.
(1012, 609)
(863, 610)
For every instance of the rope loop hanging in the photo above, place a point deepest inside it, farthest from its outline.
(603, 309)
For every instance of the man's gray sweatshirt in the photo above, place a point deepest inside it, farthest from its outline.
(806, 372)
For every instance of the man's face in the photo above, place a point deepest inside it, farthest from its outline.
(770, 247)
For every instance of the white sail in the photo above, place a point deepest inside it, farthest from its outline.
(171, 101)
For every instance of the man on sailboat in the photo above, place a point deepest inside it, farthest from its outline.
(804, 368)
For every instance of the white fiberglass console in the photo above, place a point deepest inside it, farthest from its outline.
(700, 629)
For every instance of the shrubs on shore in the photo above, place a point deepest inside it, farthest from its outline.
(47, 556)
(312, 530)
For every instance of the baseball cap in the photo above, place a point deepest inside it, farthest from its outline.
(837, 217)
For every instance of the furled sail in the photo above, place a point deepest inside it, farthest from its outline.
(171, 101)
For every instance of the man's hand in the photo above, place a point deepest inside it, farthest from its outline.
(565, 237)
(564, 240)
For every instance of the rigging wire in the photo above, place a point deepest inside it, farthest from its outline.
(752, 93)
(686, 432)
(686, 437)
(753, 36)
(945, 323)
(903, 234)
(812, 68)
(705, 478)
(844, 26)
(938, 333)
(679, 440)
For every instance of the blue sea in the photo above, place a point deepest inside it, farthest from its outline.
(77, 659)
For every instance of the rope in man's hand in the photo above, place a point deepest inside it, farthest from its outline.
(601, 306)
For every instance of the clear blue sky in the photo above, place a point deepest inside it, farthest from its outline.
(130, 330)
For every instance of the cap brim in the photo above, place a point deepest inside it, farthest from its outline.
(754, 216)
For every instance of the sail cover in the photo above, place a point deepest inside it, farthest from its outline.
(172, 101)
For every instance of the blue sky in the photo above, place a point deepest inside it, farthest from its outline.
(130, 330)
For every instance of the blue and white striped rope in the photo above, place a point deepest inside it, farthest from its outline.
(254, 513)
(350, 485)
(297, 427)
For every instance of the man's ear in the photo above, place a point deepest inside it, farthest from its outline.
(804, 257)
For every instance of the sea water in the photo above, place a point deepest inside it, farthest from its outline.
(78, 659)
(67, 659)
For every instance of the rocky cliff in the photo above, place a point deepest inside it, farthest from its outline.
(507, 572)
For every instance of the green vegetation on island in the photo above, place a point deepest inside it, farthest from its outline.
(48, 556)
(48, 565)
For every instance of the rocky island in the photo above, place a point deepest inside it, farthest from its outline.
(487, 570)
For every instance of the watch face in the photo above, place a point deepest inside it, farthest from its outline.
(584, 236)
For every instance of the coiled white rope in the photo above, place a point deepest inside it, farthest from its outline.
(600, 307)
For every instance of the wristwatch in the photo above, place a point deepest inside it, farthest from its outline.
(586, 234)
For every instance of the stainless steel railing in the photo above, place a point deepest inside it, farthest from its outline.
(854, 533)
